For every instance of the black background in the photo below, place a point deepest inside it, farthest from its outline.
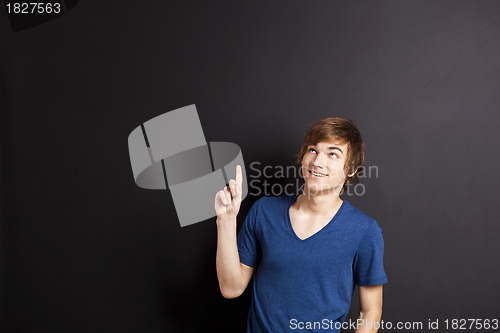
(86, 250)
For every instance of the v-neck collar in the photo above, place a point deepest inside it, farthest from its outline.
(289, 220)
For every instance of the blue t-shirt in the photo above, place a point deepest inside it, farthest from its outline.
(307, 283)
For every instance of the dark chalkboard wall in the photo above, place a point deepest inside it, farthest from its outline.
(86, 250)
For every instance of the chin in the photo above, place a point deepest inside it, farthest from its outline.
(313, 188)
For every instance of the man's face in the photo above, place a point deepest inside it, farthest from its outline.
(323, 167)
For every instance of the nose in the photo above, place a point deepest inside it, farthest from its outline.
(319, 161)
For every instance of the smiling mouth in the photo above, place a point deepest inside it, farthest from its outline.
(316, 174)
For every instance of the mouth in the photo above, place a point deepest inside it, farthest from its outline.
(317, 174)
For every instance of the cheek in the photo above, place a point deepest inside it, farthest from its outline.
(337, 168)
(306, 160)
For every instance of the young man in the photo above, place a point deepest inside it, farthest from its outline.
(309, 250)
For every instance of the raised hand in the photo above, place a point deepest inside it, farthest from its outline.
(228, 200)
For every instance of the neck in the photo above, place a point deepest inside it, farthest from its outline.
(318, 204)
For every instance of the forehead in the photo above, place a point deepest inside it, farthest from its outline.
(325, 144)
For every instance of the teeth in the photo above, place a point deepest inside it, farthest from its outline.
(317, 174)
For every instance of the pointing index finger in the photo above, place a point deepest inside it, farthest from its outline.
(239, 177)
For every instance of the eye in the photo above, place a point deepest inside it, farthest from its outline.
(333, 154)
(313, 151)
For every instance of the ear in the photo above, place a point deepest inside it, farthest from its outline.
(352, 174)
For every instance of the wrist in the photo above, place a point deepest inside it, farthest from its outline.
(226, 220)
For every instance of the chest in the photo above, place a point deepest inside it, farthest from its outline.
(319, 247)
(305, 227)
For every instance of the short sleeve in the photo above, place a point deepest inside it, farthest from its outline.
(248, 245)
(369, 258)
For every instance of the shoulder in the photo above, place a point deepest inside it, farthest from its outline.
(360, 220)
(272, 205)
(267, 209)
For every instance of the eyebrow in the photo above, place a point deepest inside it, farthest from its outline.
(332, 148)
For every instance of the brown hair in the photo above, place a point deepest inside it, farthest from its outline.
(345, 131)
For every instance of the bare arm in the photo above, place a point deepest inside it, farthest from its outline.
(232, 274)
(370, 299)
